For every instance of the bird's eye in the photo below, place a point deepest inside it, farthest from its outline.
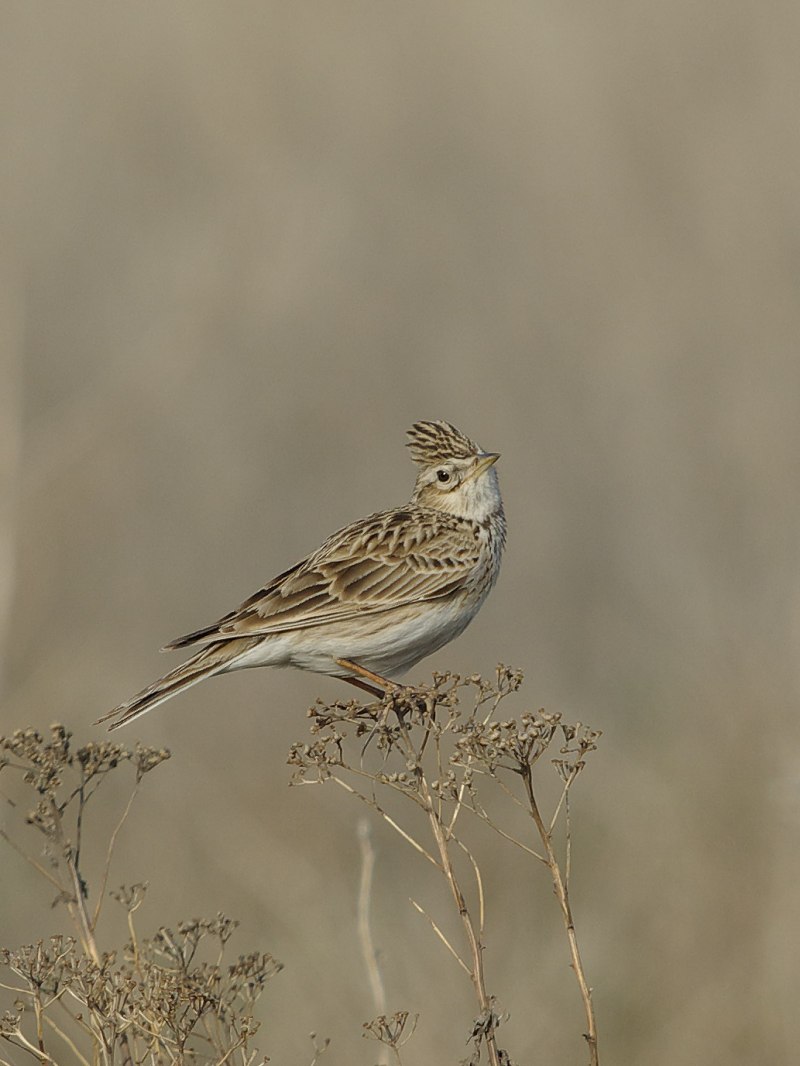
(443, 475)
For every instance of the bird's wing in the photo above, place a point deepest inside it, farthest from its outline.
(392, 559)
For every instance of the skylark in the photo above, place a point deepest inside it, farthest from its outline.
(378, 596)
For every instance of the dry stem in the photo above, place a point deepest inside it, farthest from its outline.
(437, 756)
(561, 890)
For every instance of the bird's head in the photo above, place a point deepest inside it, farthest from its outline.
(455, 474)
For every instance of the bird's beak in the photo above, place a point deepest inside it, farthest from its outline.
(485, 460)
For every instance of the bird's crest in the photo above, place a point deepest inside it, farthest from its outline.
(434, 442)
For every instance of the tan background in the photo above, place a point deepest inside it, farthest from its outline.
(245, 246)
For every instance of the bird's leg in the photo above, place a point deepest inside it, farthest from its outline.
(361, 684)
(376, 679)
(387, 686)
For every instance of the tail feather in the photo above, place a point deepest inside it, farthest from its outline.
(206, 634)
(209, 661)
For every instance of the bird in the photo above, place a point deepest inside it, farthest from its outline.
(377, 596)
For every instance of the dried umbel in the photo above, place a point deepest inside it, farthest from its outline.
(66, 777)
(461, 750)
(172, 995)
(174, 998)
(392, 1031)
(452, 749)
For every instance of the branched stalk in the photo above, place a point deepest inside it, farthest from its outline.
(442, 758)
(473, 938)
(161, 1000)
(561, 890)
(442, 839)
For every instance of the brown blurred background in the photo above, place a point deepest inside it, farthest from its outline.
(245, 246)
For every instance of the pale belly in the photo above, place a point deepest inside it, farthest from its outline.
(388, 644)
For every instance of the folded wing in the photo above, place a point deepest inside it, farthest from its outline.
(386, 561)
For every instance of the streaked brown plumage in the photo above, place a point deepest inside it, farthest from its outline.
(378, 595)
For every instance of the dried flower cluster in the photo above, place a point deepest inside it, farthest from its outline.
(441, 746)
(173, 999)
(65, 777)
(161, 1001)
(168, 999)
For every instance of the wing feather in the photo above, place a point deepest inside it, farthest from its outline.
(389, 560)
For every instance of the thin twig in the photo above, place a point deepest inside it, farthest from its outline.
(479, 883)
(562, 799)
(37, 866)
(109, 853)
(25, 1045)
(442, 937)
(480, 813)
(67, 1040)
(18, 991)
(388, 819)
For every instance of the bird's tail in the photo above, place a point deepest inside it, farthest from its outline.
(213, 659)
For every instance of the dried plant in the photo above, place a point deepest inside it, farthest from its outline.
(392, 1032)
(174, 998)
(441, 747)
(171, 998)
